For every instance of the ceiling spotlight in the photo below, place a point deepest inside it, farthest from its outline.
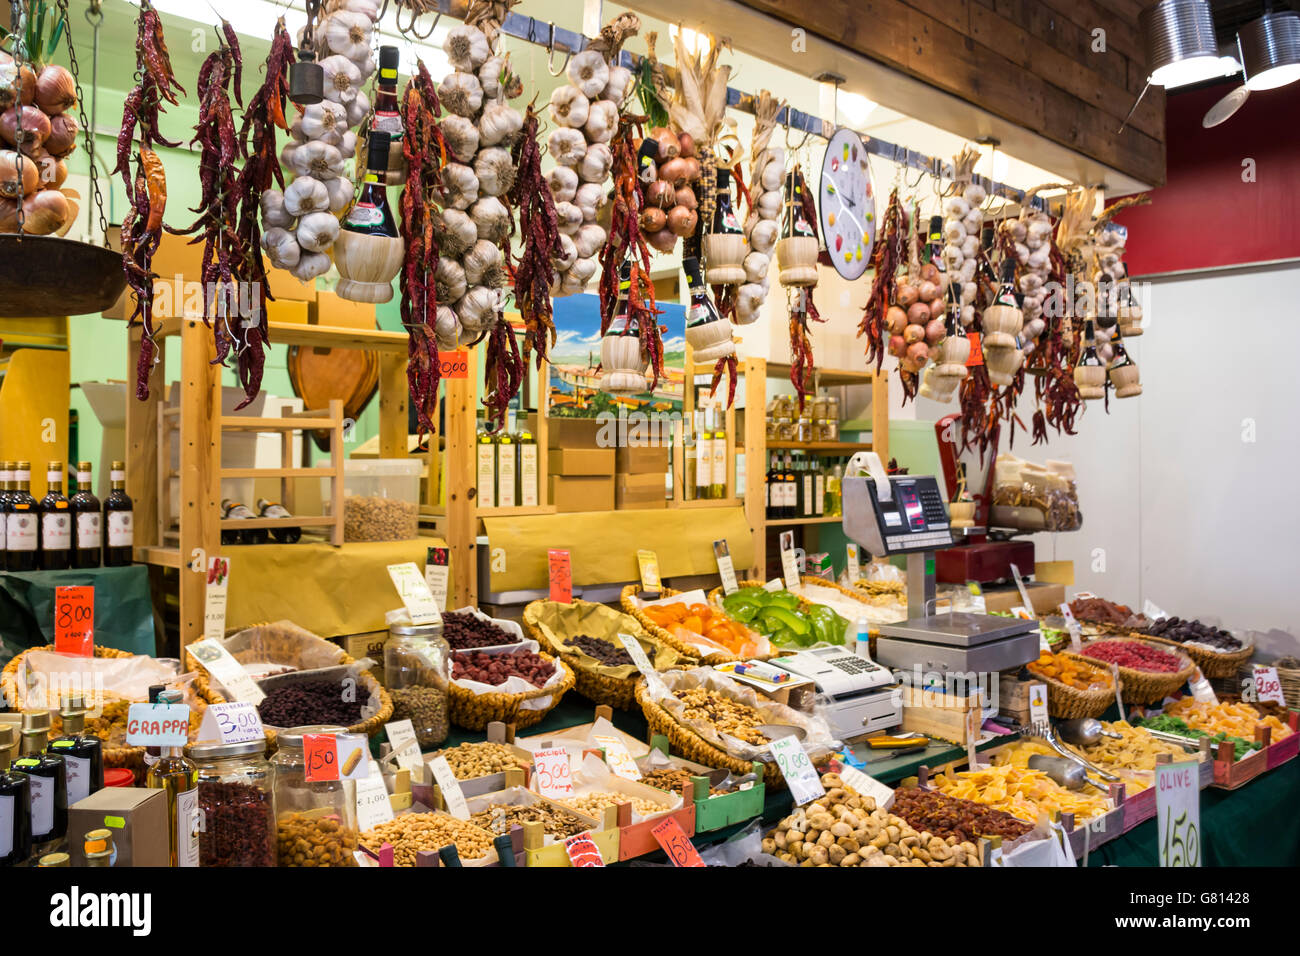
(1270, 50)
(1180, 43)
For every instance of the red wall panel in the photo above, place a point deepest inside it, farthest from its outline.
(1206, 215)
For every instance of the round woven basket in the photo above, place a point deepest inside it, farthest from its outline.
(676, 643)
(9, 676)
(1147, 687)
(277, 644)
(687, 743)
(1289, 677)
(616, 692)
(1211, 663)
(1067, 703)
(475, 711)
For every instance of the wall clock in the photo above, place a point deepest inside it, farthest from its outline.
(847, 204)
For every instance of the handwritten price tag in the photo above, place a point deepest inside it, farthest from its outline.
(436, 574)
(406, 746)
(1201, 689)
(1038, 706)
(851, 561)
(617, 757)
(214, 598)
(726, 570)
(561, 574)
(450, 787)
(455, 364)
(868, 786)
(1267, 685)
(235, 722)
(74, 620)
(583, 851)
(1071, 625)
(158, 725)
(320, 758)
(552, 773)
(221, 664)
(648, 563)
(373, 805)
(790, 568)
(1178, 814)
(681, 851)
(800, 775)
(414, 592)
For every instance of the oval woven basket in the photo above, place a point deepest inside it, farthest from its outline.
(676, 643)
(687, 743)
(1211, 663)
(277, 643)
(1068, 703)
(9, 676)
(716, 596)
(1147, 687)
(618, 692)
(475, 711)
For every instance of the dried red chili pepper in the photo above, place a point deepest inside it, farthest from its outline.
(886, 255)
(535, 271)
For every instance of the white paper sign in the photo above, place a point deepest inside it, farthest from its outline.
(158, 725)
(373, 805)
(617, 757)
(1072, 625)
(218, 662)
(1038, 706)
(726, 570)
(1201, 689)
(436, 574)
(450, 787)
(637, 653)
(552, 773)
(868, 786)
(790, 568)
(851, 562)
(1178, 813)
(1119, 699)
(353, 753)
(776, 584)
(406, 748)
(214, 598)
(414, 592)
(1024, 595)
(800, 775)
(235, 722)
(1267, 685)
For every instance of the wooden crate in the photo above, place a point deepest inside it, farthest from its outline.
(713, 812)
(1141, 807)
(936, 713)
(1286, 749)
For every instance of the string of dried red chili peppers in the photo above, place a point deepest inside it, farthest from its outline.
(146, 190)
(540, 228)
(426, 155)
(886, 256)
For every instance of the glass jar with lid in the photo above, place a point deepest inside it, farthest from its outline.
(819, 407)
(315, 821)
(833, 409)
(417, 670)
(830, 429)
(804, 430)
(785, 430)
(782, 407)
(236, 803)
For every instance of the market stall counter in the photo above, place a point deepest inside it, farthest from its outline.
(123, 608)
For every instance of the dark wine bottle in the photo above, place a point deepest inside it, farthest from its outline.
(6, 482)
(701, 311)
(48, 776)
(22, 522)
(724, 216)
(88, 529)
(272, 509)
(371, 215)
(56, 522)
(387, 119)
(15, 805)
(82, 753)
(119, 523)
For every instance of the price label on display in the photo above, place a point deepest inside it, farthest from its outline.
(414, 592)
(214, 599)
(450, 787)
(726, 570)
(648, 564)
(74, 620)
(373, 805)
(1038, 707)
(405, 745)
(974, 719)
(851, 555)
(552, 772)
(436, 573)
(676, 844)
(1178, 812)
(868, 786)
(1267, 685)
(560, 570)
(211, 653)
(320, 758)
(582, 851)
(800, 775)
(158, 725)
(234, 722)
(790, 568)
(617, 757)
(1071, 625)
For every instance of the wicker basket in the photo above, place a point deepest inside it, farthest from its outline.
(676, 643)
(687, 743)
(475, 711)
(1146, 687)
(716, 596)
(9, 676)
(1289, 677)
(1067, 703)
(1211, 663)
(278, 643)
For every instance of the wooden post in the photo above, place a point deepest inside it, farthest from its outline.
(336, 463)
(200, 465)
(755, 463)
(393, 398)
(880, 416)
(142, 464)
(462, 478)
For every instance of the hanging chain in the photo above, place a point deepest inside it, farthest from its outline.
(95, 16)
(17, 19)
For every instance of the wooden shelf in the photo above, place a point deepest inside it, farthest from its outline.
(247, 423)
(790, 522)
(708, 503)
(297, 521)
(324, 336)
(825, 377)
(159, 557)
(277, 472)
(519, 511)
(842, 447)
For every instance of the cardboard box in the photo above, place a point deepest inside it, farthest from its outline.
(641, 460)
(1046, 598)
(289, 311)
(580, 461)
(574, 432)
(640, 491)
(370, 644)
(571, 493)
(331, 309)
(623, 503)
(137, 817)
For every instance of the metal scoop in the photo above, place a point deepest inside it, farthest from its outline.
(777, 731)
(1083, 731)
(1067, 773)
(1055, 743)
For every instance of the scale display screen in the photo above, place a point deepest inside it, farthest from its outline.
(915, 518)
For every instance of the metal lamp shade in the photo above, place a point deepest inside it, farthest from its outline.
(1180, 43)
(1270, 50)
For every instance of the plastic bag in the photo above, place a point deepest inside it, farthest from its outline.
(45, 678)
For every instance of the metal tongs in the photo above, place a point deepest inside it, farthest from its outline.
(1078, 732)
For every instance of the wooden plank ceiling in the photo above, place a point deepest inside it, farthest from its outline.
(1026, 61)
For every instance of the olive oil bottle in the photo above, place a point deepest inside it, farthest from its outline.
(178, 776)
(82, 753)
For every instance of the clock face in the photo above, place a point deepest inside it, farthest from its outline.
(848, 204)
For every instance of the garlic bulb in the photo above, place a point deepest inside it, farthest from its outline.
(366, 65)
(317, 231)
(975, 194)
(563, 182)
(477, 309)
(449, 280)
(286, 153)
(305, 195)
(462, 94)
(568, 147)
(325, 121)
(596, 164)
(773, 174)
(571, 283)
(970, 247)
(483, 264)
(570, 254)
(589, 241)
(489, 77)
(358, 108)
(769, 204)
(749, 302)
(281, 247)
(456, 233)
(348, 144)
(764, 235)
(499, 124)
(491, 218)
(348, 34)
(369, 7)
(316, 159)
(569, 107)
(340, 191)
(602, 121)
(310, 265)
(755, 265)
(462, 137)
(446, 328)
(495, 171)
(295, 130)
(342, 78)
(459, 186)
(588, 199)
(584, 270)
(274, 215)
(618, 86)
(955, 208)
(568, 218)
(467, 48)
(589, 72)
(954, 231)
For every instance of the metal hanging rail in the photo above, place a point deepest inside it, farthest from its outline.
(546, 34)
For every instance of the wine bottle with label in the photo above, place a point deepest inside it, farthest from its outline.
(22, 522)
(119, 534)
(56, 522)
(6, 479)
(371, 215)
(48, 776)
(235, 510)
(87, 532)
(82, 753)
(387, 119)
(273, 509)
(15, 805)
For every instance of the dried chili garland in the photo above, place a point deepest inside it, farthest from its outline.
(146, 190)
(886, 256)
(626, 243)
(426, 155)
(535, 271)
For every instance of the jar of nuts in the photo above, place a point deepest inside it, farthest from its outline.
(235, 803)
(417, 668)
(315, 823)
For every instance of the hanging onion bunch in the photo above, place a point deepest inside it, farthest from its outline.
(763, 224)
(37, 125)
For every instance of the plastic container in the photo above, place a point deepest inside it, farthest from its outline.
(381, 499)
(235, 798)
(315, 823)
(417, 668)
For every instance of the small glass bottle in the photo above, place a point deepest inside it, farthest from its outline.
(718, 473)
(236, 812)
(119, 531)
(48, 775)
(52, 860)
(88, 532)
(83, 753)
(273, 509)
(15, 805)
(97, 846)
(507, 464)
(834, 504)
(235, 510)
(176, 774)
(819, 489)
(487, 469)
(387, 119)
(690, 464)
(528, 470)
(371, 215)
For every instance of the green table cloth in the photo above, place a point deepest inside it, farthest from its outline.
(123, 609)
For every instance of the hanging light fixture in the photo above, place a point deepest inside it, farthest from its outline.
(1269, 49)
(1180, 43)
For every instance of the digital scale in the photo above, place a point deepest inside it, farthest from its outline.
(862, 695)
(907, 514)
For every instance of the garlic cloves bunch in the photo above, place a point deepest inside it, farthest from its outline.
(762, 227)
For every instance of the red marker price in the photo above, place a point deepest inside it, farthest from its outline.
(320, 757)
(158, 725)
(557, 560)
(681, 851)
(552, 773)
(74, 620)
(583, 851)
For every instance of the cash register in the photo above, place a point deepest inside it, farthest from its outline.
(862, 696)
